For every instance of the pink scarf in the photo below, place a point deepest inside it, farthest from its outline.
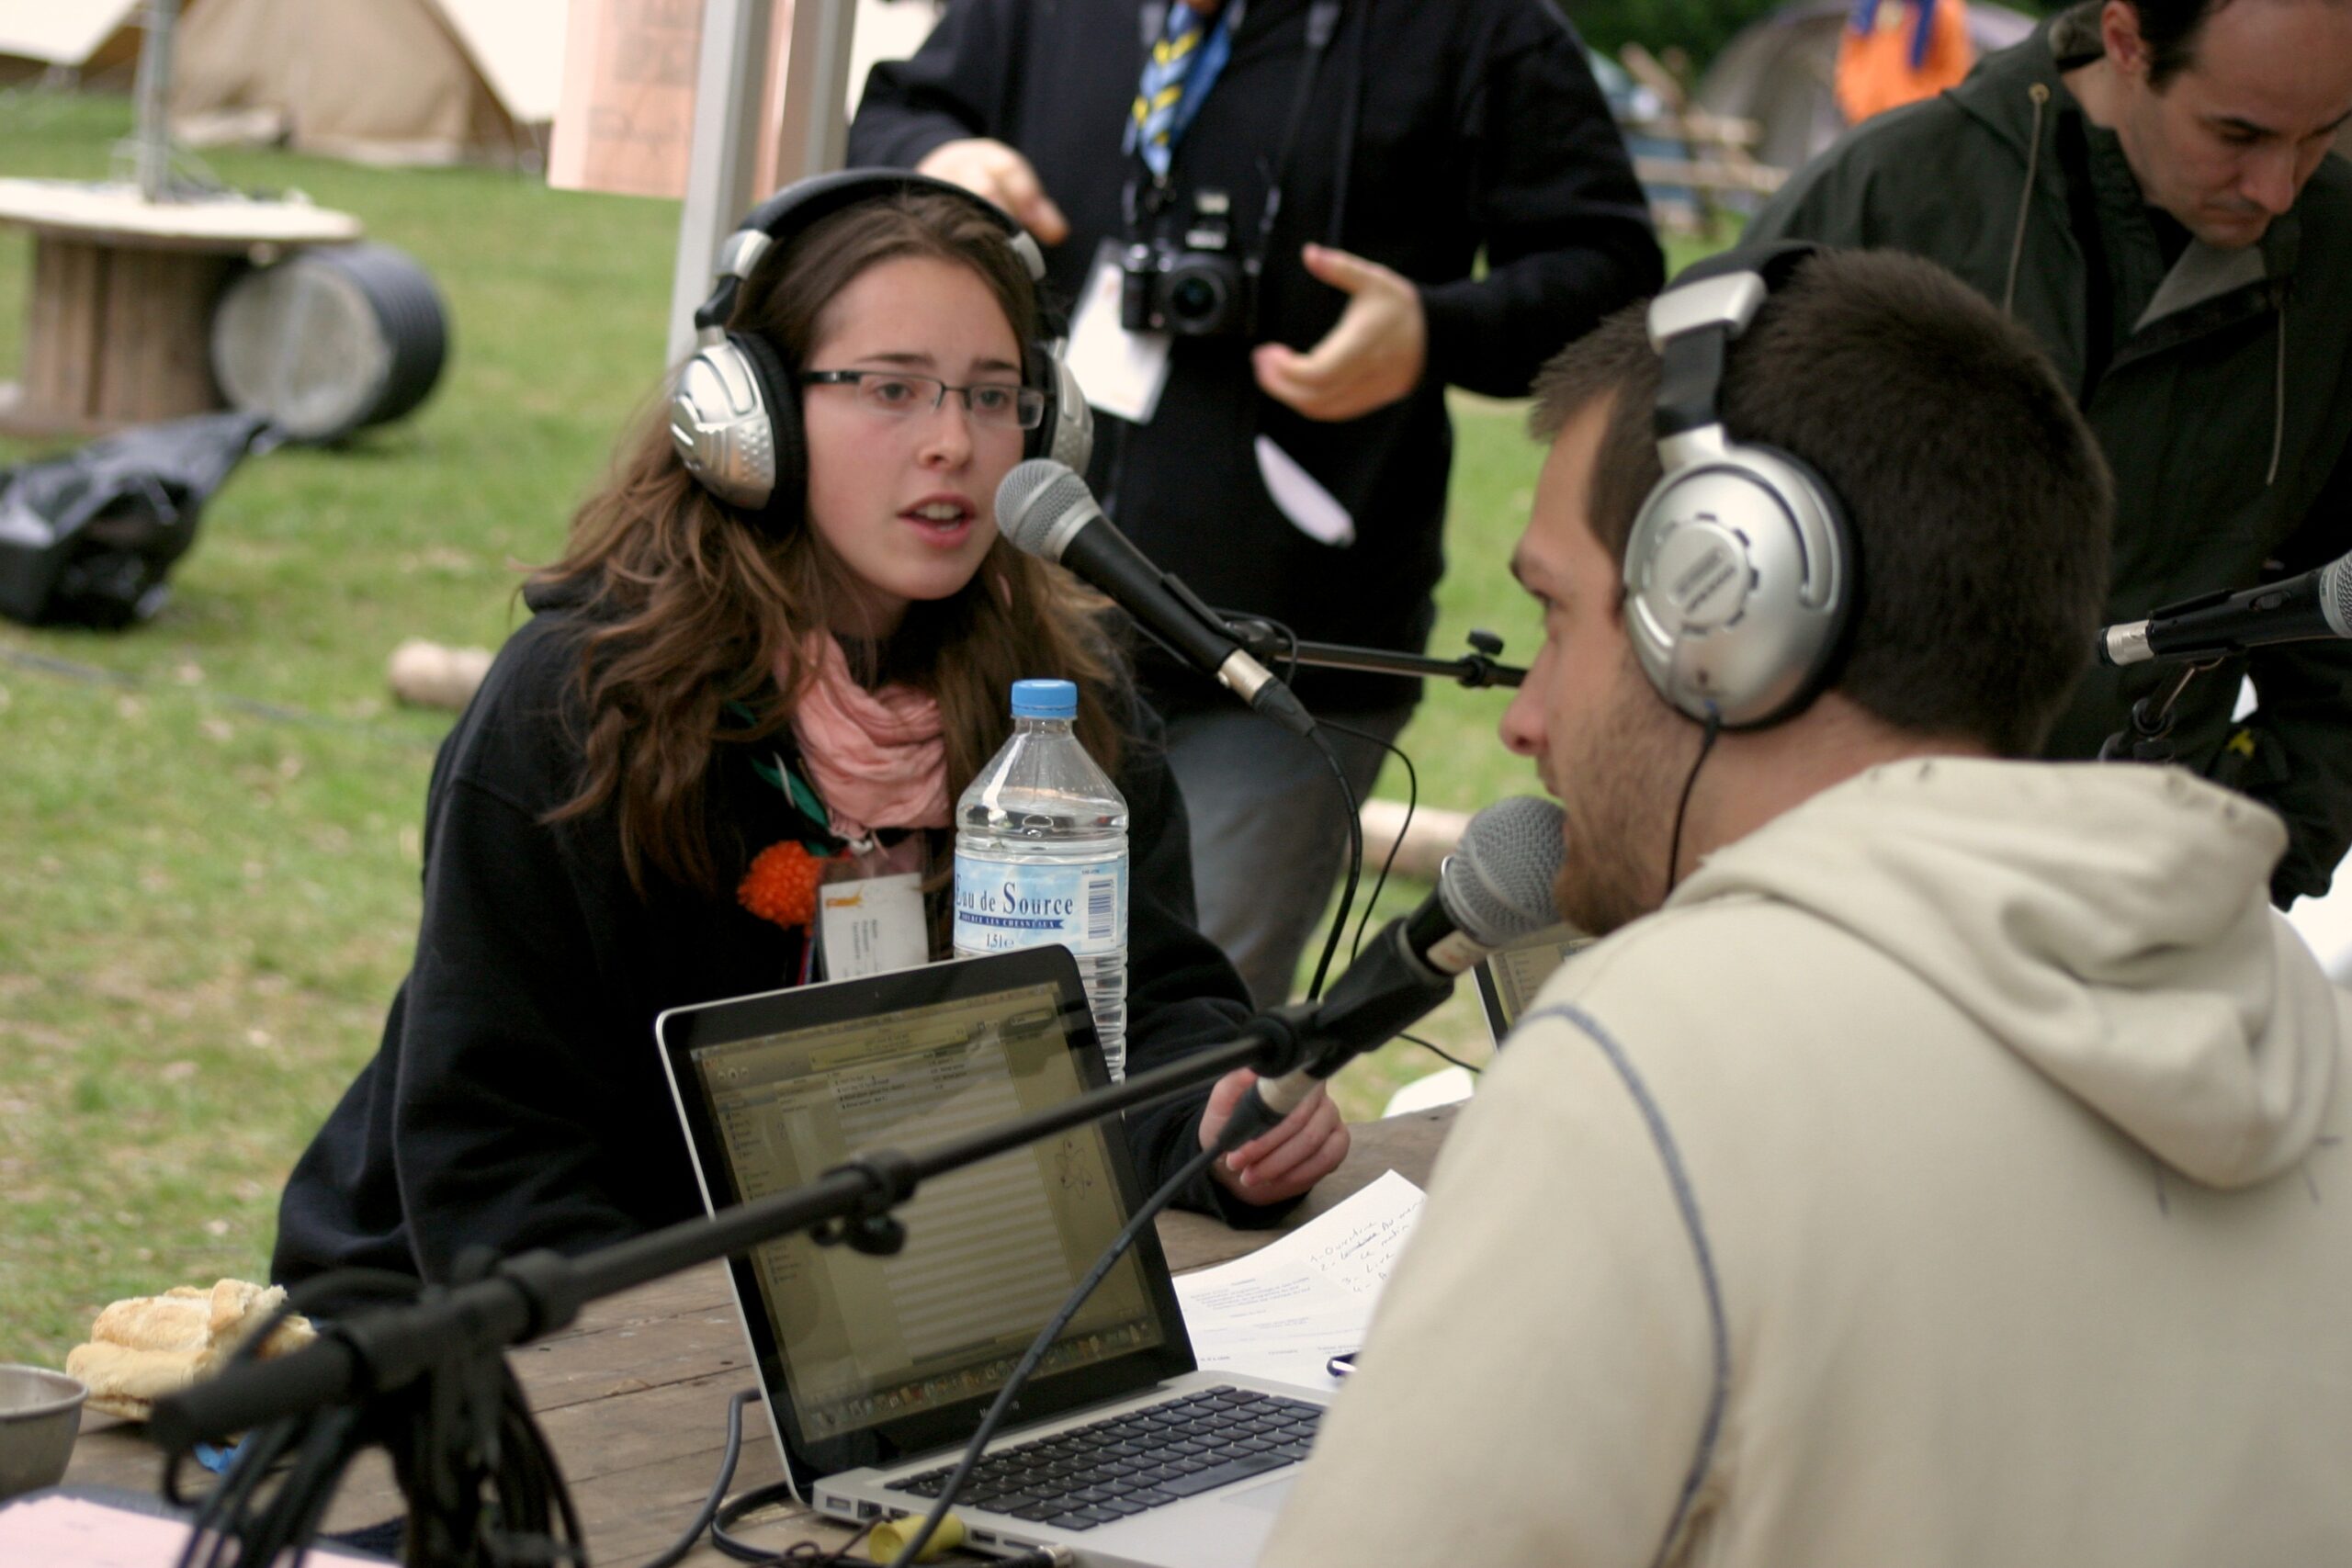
(878, 759)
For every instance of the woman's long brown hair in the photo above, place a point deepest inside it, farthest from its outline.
(695, 608)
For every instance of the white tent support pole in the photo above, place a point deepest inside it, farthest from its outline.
(153, 90)
(729, 82)
(814, 137)
(729, 85)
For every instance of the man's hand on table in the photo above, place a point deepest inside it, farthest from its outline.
(1303, 1148)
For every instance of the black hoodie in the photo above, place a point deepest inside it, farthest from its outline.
(1436, 136)
(518, 1101)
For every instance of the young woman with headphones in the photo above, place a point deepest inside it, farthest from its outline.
(784, 628)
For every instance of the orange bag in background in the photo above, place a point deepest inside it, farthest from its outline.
(1894, 52)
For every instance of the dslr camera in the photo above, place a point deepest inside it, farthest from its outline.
(1196, 288)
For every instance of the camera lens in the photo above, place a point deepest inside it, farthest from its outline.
(1193, 298)
(1196, 301)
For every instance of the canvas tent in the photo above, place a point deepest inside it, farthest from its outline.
(93, 39)
(380, 81)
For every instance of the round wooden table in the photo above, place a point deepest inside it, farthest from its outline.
(118, 330)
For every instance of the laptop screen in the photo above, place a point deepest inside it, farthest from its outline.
(1509, 976)
(866, 1357)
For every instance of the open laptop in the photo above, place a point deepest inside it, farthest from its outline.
(876, 1371)
(1509, 976)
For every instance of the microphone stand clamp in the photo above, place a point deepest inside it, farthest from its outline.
(2149, 737)
(872, 1229)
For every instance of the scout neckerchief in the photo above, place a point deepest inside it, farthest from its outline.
(1183, 65)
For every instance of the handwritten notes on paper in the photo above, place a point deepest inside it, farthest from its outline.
(1287, 1309)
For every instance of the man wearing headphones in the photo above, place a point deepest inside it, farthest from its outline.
(1269, 216)
(1941, 1158)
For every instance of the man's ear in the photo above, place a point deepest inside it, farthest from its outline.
(2118, 32)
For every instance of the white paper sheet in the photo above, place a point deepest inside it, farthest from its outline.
(76, 1532)
(1312, 510)
(1287, 1309)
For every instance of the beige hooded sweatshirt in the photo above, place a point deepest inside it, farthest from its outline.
(1953, 1173)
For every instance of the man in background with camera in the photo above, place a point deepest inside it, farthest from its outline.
(1266, 215)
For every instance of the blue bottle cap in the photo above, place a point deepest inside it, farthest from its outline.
(1045, 699)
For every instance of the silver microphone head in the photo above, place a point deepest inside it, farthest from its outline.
(2335, 595)
(1496, 885)
(1040, 504)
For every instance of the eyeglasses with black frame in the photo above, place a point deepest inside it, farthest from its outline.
(895, 394)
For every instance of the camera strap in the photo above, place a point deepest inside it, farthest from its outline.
(1147, 194)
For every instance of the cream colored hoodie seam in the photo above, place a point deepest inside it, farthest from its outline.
(1686, 1202)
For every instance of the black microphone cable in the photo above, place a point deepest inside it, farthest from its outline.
(480, 1478)
(1030, 1358)
(802, 1553)
(1674, 844)
(719, 1510)
(720, 1513)
(1395, 845)
(685, 1542)
(1289, 663)
(1355, 948)
(235, 1514)
(1355, 812)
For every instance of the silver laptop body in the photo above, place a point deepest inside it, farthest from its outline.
(878, 1369)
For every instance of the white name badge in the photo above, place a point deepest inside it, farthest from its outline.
(871, 926)
(1123, 372)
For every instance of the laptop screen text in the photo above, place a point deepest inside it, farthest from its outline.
(992, 1251)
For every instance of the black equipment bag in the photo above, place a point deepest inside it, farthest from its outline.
(87, 539)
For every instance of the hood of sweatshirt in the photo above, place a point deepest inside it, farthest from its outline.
(2109, 923)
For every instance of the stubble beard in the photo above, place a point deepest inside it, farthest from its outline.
(1618, 792)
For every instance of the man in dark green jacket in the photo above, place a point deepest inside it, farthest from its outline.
(2147, 186)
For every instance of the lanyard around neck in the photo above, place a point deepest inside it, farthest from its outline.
(1147, 193)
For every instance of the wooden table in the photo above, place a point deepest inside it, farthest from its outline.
(119, 329)
(634, 1394)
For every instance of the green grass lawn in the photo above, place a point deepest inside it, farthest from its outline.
(209, 877)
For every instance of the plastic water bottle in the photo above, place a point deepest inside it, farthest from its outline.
(1041, 856)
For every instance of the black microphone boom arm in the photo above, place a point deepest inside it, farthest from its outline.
(1480, 667)
(537, 1292)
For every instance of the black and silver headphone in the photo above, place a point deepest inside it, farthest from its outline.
(1740, 570)
(735, 406)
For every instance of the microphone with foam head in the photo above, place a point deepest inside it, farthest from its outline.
(1047, 510)
(2316, 605)
(1493, 890)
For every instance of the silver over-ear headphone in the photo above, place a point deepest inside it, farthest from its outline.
(1740, 570)
(735, 406)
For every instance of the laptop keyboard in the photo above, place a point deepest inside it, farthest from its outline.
(1113, 1468)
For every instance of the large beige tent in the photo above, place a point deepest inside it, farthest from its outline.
(383, 81)
(92, 40)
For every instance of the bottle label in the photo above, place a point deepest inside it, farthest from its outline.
(1007, 904)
